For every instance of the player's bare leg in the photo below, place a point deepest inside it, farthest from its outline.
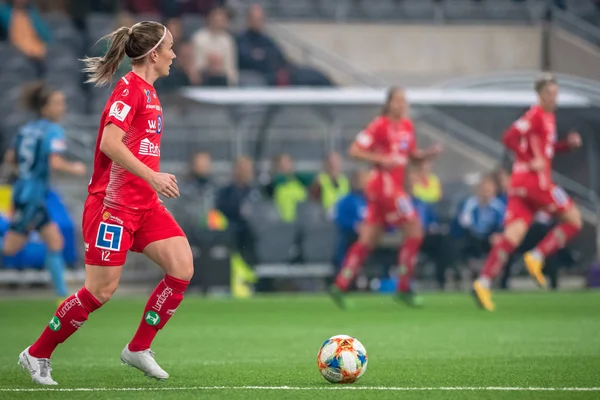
(174, 256)
(513, 235)
(355, 258)
(412, 234)
(556, 239)
(13, 242)
(100, 284)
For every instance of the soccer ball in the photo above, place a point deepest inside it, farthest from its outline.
(342, 359)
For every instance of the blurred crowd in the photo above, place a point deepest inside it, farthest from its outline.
(457, 238)
(210, 52)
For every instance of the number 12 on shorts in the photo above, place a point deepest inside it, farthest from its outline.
(109, 238)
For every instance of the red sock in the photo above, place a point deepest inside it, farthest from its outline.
(355, 258)
(497, 258)
(161, 305)
(69, 317)
(557, 238)
(407, 259)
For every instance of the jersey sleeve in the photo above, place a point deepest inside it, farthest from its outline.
(123, 108)
(516, 138)
(369, 137)
(56, 140)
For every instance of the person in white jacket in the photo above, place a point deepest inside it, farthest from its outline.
(215, 41)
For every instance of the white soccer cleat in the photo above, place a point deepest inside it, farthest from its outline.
(144, 361)
(38, 368)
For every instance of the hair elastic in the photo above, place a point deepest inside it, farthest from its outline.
(155, 46)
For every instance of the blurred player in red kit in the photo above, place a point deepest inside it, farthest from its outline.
(389, 144)
(533, 140)
(123, 211)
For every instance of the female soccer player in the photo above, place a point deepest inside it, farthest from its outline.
(389, 144)
(36, 149)
(123, 211)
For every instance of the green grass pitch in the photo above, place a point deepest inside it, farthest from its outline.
(265, 348)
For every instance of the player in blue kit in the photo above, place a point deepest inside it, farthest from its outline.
(35, 151)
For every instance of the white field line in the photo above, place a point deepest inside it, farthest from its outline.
(313, 388)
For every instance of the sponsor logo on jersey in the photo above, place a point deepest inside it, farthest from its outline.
(125, 93)
(147, 148)
(152, 318)
(159, 124)
(54, 324)
(364, 139)
(58, 145)
(77, 324)
(109, 237)
(522, 125)
(106, 215)
(119, 110)
(151, 126)
(154, 107)
(67, 306)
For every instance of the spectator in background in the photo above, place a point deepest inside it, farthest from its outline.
(215, 52)
(183, 71)
(22, 25)
(233, 201)
(287, 187)
(199, 190)
(258, 52)
(479, 219)
(331, 184)
(426, 185)
(348, 213)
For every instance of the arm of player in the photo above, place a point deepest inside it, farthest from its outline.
(112, 145)
(426, 154)
(9, 164)
(358, 152)
(362, 148)
(572, 141)
(58, 163)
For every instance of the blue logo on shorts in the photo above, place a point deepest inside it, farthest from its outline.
(159, 124)
(109, 237)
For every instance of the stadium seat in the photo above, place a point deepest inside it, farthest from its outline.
(251, 79)
(461, 10)
(274, 240)
(339, 9)
(318, 243)
(296, 9)
(379, 9)
(418, 9)
(507, 10)
(318, 235)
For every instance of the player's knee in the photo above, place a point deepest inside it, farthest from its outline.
(183, 265)
(515, 231)
(102, 293)
(573, 217)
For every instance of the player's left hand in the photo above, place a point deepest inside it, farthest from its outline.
(436, 149)
(574, 140)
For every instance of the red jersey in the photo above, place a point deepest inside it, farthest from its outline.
(133, 107)
(541, 125)
(387, 137)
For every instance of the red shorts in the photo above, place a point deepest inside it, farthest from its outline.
(387, 204)
(527, 200)
(109, 233)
